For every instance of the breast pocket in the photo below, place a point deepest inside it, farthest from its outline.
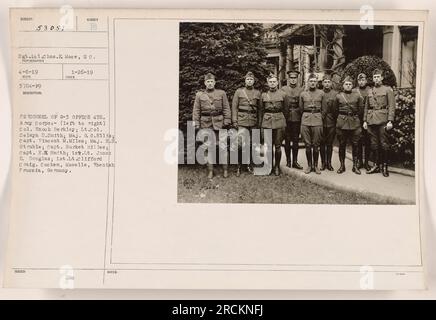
(381, 100)
(205, 103)
(218, 103)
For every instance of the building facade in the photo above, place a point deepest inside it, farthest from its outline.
(321, 48)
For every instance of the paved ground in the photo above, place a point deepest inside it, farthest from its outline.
(396, 189)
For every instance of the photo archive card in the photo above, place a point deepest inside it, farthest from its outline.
(216, 149)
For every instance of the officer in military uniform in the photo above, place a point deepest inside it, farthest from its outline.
(349, 107)
(329, 116)
(378, 117)
(293, 122)
(212, 111)
(310, 104)
(245, 108)
(273, 111)
(364, 143)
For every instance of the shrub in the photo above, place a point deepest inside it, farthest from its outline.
(228, 50)
(366, 65)
(402, 136)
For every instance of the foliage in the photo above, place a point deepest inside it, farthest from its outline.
(403, 133)
(366, 65)
(229, 50)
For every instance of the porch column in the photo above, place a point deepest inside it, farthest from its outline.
(283, 61)
(392, 48)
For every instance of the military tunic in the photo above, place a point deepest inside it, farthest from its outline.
(245, 107)
(381, 106)
(273, 112)
(293, 121)
(329, 116)
(273, 109)
(311, 121)
(349, 107)
(293, 96)
(365, 139)
(211, 109)
(379, 109)
(363, 93)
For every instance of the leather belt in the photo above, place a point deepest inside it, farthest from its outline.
(312, 110)
(211, 113)
(273, 111)
(382, 108)
(247, 111)
(348, 113)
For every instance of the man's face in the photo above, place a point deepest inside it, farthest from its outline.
(210, 84)
(362, 82)
(272, 83)
(327, 84)
(249, 82)
(312, 83)
(348, 85)
(377, 78)
(293, 79)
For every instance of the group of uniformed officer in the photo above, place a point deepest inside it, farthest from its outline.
(363, 116)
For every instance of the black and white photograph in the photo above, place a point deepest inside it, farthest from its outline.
(229, 150)
(297, 113)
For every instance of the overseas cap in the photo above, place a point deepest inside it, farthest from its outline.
(271, 75)
(312, 76)
(378, 72)
(348, 79)
(209, 76)
(249, 75)
(327, 76)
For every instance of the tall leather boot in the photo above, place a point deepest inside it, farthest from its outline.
(210, 170)
(359, 152)
(367, 154)
(315, 160)
(225, 170)
(384, 159)
(329, 158)
(238, 170)
(288, 153)
(356, 155)
(341, 159)
(295, 163)
(376, 167)
(250, 163)
(323, 157)
(309, 160)
(239, 165)
(278, 158)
